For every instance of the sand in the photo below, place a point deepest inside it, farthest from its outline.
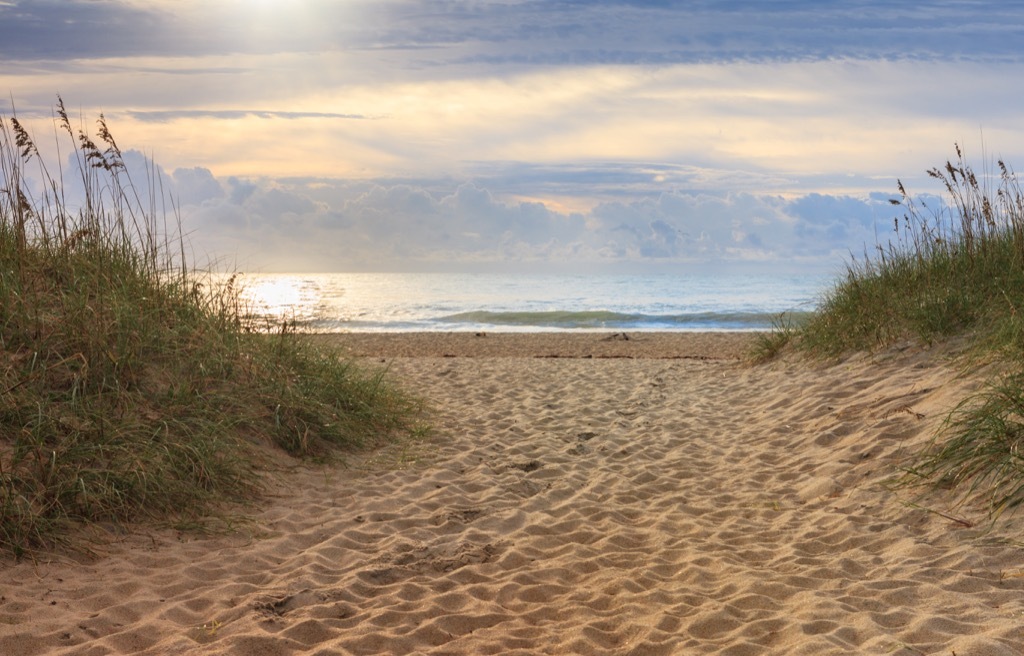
(645, 496)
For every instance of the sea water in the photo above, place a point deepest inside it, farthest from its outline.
(403, 302)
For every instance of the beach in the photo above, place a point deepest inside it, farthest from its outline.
(580, 493)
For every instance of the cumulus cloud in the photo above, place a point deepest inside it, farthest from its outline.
(195, 186)
(337, 225)
(345, 225)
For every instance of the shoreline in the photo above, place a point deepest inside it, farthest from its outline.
(631, 345)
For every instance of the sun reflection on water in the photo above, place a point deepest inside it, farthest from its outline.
(279, 298)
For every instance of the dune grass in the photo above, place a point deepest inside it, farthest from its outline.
(959, 271)
(130, 384)
(954, 271)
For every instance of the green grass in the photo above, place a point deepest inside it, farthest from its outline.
(131, 386)
(768, 345)
(979, 453)
(953, 271)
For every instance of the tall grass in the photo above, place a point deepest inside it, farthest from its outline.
(954, 270)
(130, 384)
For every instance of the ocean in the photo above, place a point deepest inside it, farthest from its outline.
(403, 302)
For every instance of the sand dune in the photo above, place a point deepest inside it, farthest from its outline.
(578, 505)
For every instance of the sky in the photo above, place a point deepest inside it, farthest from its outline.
(526, 135)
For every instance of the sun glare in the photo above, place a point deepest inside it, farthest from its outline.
(280, 298)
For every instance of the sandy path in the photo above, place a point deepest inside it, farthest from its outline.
(579, 506)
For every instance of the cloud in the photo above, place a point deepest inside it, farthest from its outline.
(530, 33)
(66, 30)
(55, 30)
(633, 33)
(231, 114)
(340, 225)
(346, 225)
(758, 96)
(529, 132)
(195, 186)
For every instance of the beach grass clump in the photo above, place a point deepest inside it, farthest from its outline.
(952, 271)
(131, 385)
(979, 452)
(769, 344)
(958, 270)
